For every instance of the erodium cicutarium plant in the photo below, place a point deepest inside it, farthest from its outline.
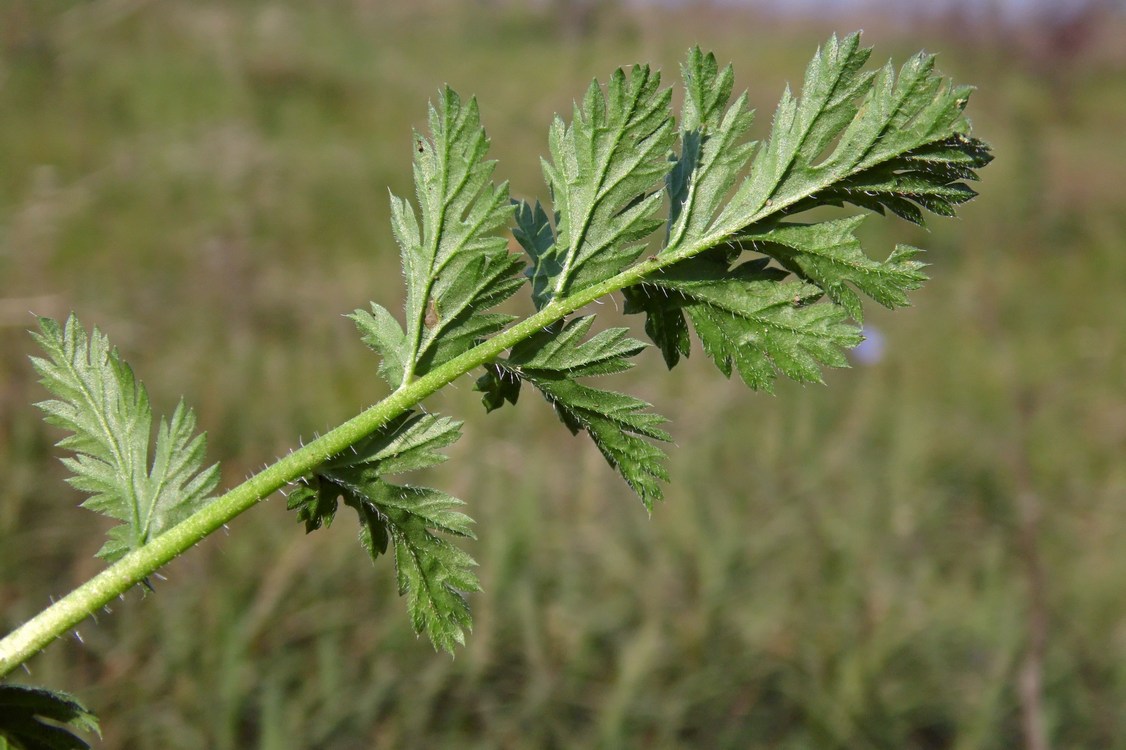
(699, 229)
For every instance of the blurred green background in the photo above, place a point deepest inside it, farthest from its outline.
(926, 553)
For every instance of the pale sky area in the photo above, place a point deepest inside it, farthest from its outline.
(1013, 9)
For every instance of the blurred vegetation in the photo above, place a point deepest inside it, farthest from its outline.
(924, 554)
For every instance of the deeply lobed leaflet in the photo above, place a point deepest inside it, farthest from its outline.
(765, 290)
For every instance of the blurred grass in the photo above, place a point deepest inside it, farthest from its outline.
(835, 567)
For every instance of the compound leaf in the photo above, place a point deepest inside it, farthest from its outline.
(106, 410)
(881, 141)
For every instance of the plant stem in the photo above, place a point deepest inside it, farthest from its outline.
(53, 622)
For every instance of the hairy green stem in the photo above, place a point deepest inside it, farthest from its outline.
(53, 622)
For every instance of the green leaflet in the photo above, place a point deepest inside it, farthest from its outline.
(566, 352)
(533, 232)
(106, 410)
(747, 318)
(603, 174)
(23, 710)
(431, 572)
(829, 254)
(380, 331)
(902, 144)
(619, 425)
(455, 264)
(712, 154)
(899, 140)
